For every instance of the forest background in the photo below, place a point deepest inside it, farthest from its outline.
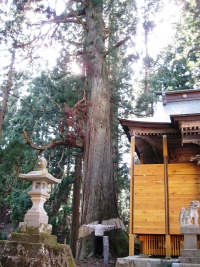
(68, 72)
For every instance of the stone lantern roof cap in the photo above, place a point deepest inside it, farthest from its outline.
(41, 173)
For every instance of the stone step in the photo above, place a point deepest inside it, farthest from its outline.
(16, 254)
(34, 238)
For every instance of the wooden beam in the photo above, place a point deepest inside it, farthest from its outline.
(166, 188)
(141, 158)
(168, 246)
(131, 234)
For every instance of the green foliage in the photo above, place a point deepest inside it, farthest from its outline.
(14, 159)
(3, 235)
(143, 103)
(61, 224)
(20, 202)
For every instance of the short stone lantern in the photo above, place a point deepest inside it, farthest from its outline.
(36, 219)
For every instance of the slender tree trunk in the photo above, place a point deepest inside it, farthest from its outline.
(6, 91)
(76, 204)
(146, 78)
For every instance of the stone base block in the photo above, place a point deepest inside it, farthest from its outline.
(190, 253)
(34, 238)
(188, 230)
(137, 261)
(19, 254)
(28, 228)
(190, 241)
(36, 218)
(192, 260)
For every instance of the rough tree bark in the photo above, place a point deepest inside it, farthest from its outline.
(98, 191)
(99, 199)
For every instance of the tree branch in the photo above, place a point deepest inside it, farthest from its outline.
(50, 145)
(59, 20)
(62, 170)
(65, 18)
(80, 1)
(76, 16)
(84, 3)
(42, 37)
(116, 46)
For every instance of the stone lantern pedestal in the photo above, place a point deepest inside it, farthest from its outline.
(33, 245)
(190, 253)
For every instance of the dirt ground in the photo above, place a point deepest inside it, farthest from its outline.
(90, 262)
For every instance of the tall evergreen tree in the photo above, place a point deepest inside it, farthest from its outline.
(90, 32)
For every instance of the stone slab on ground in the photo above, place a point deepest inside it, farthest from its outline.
(21, 254)
(185, 265)
(192, 260)
(136, 261)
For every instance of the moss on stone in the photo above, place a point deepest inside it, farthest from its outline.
(18, 254)
(33, 238)
(118, 240)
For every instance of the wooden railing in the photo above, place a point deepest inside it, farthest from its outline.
(177, 243)
(155, 245)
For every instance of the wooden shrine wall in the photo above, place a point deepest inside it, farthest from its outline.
(184, 186)
(149, 195)
(148, 207)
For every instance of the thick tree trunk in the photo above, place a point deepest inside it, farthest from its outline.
(98, 185)
(99, 199)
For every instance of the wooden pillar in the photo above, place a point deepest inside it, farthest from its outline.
(166, 188)
(141, 158)
(131, 235)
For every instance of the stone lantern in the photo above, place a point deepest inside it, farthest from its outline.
(36, 219)
(34, 245)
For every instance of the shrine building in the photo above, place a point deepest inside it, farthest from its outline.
(168, 176)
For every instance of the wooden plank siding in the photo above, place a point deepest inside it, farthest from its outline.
(184, 186)
(148, 210)
(149, 196)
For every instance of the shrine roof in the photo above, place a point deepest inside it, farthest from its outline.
(177, 116)
(184, 102)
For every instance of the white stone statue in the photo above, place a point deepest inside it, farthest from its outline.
(186, 215)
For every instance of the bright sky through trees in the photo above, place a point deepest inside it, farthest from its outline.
(162, 35)
(165, 21)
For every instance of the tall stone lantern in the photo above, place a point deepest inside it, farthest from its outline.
(36, 219)
(34, 245)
